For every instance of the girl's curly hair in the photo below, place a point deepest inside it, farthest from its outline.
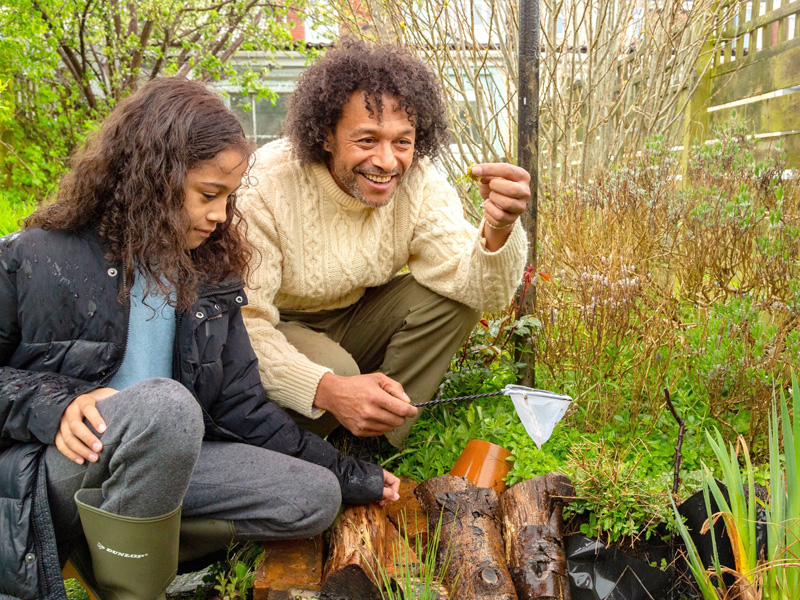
(315, 106)
(127, 182)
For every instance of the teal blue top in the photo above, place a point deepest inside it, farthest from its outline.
(151, 336)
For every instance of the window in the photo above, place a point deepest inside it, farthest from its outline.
(261, 120)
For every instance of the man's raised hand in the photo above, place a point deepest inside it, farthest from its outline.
(505, 189)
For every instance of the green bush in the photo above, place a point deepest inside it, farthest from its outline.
(11, 211)
(646, 282)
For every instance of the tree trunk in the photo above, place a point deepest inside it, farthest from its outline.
(357, 546)
(470, 541)
(534, 536)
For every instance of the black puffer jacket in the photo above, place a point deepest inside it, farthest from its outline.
(63, 333)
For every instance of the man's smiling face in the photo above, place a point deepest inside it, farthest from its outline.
(369, 157)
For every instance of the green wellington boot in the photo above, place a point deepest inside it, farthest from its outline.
(204, 537)
(132, 559)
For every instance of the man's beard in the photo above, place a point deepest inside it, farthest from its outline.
(349, 179)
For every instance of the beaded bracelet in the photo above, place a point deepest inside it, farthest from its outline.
(496, 228)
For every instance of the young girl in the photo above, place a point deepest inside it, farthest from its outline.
(129, 392)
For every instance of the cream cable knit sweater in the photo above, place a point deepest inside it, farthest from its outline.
(321, 248)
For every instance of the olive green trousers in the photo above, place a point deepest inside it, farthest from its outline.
(402, 329)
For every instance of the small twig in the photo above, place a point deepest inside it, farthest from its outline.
(10, 148)
(679, 444)
(676, 472)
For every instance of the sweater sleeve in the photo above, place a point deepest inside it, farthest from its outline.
(448, 255)
(288, 376)
(242, 413)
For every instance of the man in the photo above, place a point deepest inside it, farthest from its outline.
(337, 208)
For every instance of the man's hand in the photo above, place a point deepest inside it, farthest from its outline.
(74, 439)
(391, 488)
(505, 189)
(367, 405)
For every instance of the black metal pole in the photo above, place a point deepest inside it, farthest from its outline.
(528, 144)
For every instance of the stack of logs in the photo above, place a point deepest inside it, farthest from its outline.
(490, 547)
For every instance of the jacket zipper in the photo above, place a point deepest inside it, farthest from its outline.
(176, 349)
(110, 375)
(176, 375)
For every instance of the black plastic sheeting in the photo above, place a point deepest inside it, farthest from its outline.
(597, 572)
(695, 514)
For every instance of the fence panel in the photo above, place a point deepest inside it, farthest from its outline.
(756, 74)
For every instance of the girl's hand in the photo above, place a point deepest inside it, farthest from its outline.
(74, 439)
(391, 488)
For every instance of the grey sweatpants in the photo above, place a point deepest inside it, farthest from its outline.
(153, 459)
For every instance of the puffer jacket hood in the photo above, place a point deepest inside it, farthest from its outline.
(63, 333)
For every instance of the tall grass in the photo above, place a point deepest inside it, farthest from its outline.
(775, 576)
(421, 580)
(782, 580)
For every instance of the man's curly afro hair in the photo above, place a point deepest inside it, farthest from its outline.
(325, 87)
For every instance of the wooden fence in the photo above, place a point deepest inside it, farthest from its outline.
(755, 71)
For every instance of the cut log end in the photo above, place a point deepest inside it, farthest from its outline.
(359, 538)
(399, 560)
(349, 583)
(289, 565)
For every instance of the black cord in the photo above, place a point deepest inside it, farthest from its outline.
(458, 398)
